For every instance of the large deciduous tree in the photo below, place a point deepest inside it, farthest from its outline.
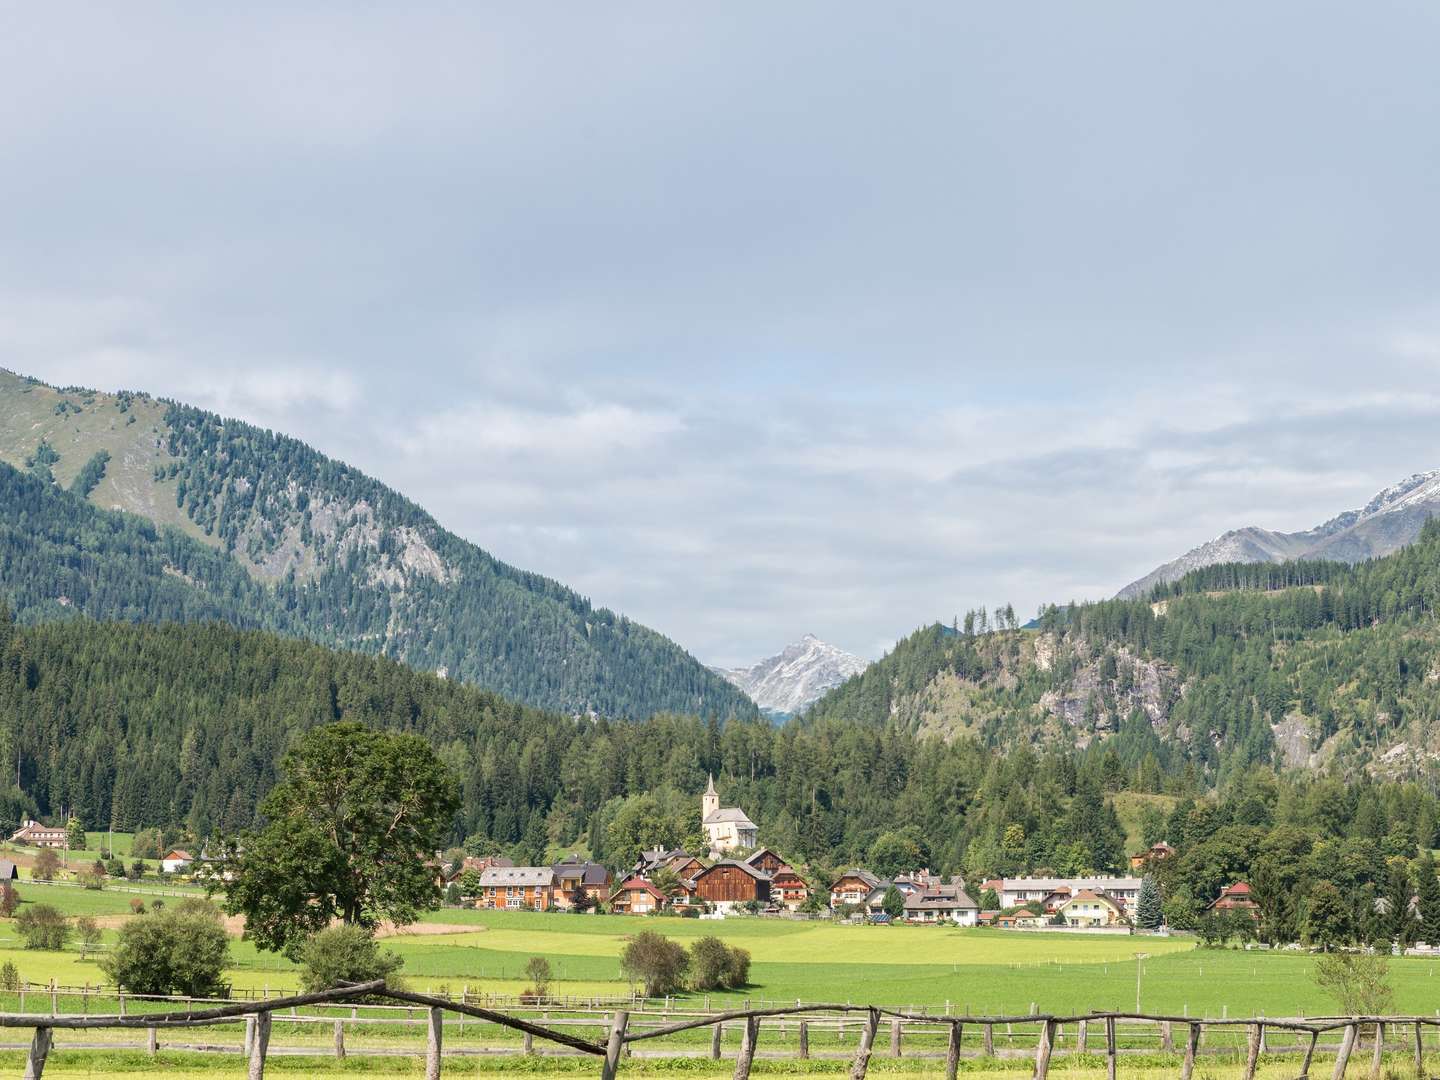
(347, 834)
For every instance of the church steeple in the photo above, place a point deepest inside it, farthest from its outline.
(710, 801)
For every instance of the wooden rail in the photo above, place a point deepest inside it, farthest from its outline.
(1054, 1036)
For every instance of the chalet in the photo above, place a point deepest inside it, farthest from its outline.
(576, 879)
(514, 887)
(33, 834)
(1157, 852)
(788, 889)
(728, 884)
(1027, 890)
(677, 860)
(725, 827)
(766, 861)
(941, 903)
(852, 887)
(636, 896)
(1236, 897)
(175, 860)
(1088, 908)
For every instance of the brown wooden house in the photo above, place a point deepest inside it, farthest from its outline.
(788, 889)
(728, 884)
(517, 887)
(636, 896)
(766, 861)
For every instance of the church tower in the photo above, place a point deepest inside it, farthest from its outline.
(710, 801)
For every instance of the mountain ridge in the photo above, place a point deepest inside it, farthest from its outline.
(796, 677)
(1389, 521)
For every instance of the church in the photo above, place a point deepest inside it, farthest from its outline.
(725, 827)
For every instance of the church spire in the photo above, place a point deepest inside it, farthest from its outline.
(710, 787)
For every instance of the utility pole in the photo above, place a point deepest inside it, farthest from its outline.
(1140, 958)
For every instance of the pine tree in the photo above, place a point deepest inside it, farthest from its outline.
(1148, 913)
(1428, 890)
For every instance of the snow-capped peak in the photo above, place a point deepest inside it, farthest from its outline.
(797, 676)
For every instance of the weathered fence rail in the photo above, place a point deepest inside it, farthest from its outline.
(1045, 1037)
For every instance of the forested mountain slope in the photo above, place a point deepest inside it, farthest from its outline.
(279, 536)
(1301, 664)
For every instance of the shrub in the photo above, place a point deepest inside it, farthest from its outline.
(180, 950)
(655, 961)
(47, 864)
(147, 844)
(739, 967)
(43, 927)
(136, 871)
(1359, 982)
(537, 970)
(345, 954)
(452, 893)
(89, 932)
(717, 966)
(9, 977)
(9, 900)
(93, 878)
(137, 906)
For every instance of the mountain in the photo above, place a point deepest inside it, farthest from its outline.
(261, 530)
(800, 674)
(1389, 521)
(1314, 665)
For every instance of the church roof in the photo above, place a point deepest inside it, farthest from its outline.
(727, 814)
(710, 787)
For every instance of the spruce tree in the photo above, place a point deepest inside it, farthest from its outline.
(1148, 913)
(1428, 891)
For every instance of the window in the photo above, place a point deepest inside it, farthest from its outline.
(512, 902)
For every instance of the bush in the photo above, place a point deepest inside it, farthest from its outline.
(537, 970)
(136, 871)
(9, 900)
(345, 954)
(147, 844)
(137, 906)
(717, 966)
(9, 977)
(47, 864)
(89, 931)
(1359, 982)
(43, 927)
(655, 961)
(179, 950)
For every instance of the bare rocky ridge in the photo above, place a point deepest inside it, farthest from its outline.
(796, 677)
(1388, 522)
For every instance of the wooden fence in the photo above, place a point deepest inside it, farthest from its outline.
(1038, 1036)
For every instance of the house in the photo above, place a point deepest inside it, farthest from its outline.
(852, 887)
(1090, 908)
(1015, 892)
(1236, 897)
(514, 887)
(1157, 852)
(576, 879)
(175, 860)
(728, 884)
(677, 860)
(788, 889)
(987, 918)
(33, 834)
(766, 861)
(725, 827)
(941, 903)
(1029, 920)
(1054, 900)
(1015, 918)
(636, 896)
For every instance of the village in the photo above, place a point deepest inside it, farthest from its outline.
(737, 875)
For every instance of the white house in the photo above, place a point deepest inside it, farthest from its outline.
(725, 827)
(175, 861)
(1025, 890)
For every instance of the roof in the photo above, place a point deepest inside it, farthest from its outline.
(948, 897)
(1089, 894)
(1023, 913)
(865, 876)
(517, 875)
(758, 875)
(177, 853)
(589, 873)
(8, 870)
(1050, 884)
(762, 853)
(710, 785)
(634, 883)
(727, 814)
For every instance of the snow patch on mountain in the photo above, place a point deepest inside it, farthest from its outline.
(797, 677)
(1388, 522)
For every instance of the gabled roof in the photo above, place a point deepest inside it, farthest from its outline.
(728, 814)
(751, 859)
(758, 875)
(517, 875)
(177, 853)
(948, 898)
(869, 879)
(589, 873)
(1090, 894)
(639, 884)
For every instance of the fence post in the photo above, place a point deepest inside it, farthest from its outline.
(1347, 1044)
(1110, 1047)
(1252, 1051)
(1419, 1050)
(894, 1038)
(39, 1051)
(1379, 1049)
(867, 1040)
(152, 1040)
(615, 1045)
(1083, 1040)
(1192, 1047)
(805, 1039)
(122, 1002)
(340, 1040)
(435, 1037)
(952, 1052)
(987, 1040)
(717, 1033)
(747, 1048)
(1309, 1056)
(1167, 1039)
(1042, 1049)
(259, 1046)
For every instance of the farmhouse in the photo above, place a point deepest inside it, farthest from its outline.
(728, 884)
(33, 834)
(766, 861)
(636, 896)
(788, 889)
(941, 903)
(1236, 897)
(517, 887)
(725, 827)
(852, 887)
(1088, 908)
(176, 860)
(1016, 891)
(1157, 852)
(578, 880)
(677, 860)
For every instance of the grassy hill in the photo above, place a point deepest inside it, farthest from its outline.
(261, 530)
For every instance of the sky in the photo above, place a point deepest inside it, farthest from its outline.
(752, 320)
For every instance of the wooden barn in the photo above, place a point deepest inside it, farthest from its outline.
(728, 884)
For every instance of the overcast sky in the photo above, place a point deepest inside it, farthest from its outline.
(758, 319)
